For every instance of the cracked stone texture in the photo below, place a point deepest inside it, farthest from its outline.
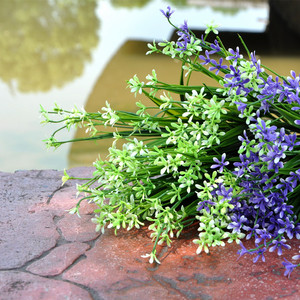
(19, 285)
(20, 229)
(58, 259)
(182, 274)
(76, 229)
(47, 253)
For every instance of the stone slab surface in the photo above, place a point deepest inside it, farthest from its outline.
(46, 253)
(58, 260)
(20, 285)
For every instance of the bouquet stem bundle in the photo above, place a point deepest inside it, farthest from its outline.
(224, 156)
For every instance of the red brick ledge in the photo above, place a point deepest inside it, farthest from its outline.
(48, 254)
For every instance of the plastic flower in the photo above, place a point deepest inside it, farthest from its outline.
(260, 254)
(220, 163)
(289, 267)
(237, 223)
(152, 257)
(234, 55)
(168, 12)
(217, 66)
(173, 166)
(184, 37)
(206, 60)
(211, 27)
(204, 205)
(278, 245)
(243, 251)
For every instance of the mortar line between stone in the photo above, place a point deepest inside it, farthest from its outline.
(53, 193)
(94, 294)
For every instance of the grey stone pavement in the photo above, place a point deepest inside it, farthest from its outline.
(46, 253)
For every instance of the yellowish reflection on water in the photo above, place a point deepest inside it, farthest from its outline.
(130, 60)
(45, 49)
(45, 44)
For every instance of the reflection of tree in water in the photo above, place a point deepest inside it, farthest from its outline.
(231, 11)
(44, 44)
(179, 2)
(129, 3)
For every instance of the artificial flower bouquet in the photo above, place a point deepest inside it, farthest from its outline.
(226, 156)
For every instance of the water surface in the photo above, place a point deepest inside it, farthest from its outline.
(81, 53)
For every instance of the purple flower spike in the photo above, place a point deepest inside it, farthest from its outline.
(278, 245)
(184, 37)
(243, 251)
(234, 55)
(168, 12)
(204, 204)
(217, 66)
(220, 164)
(260, 254)
(237, 223)
(289, 267)
(206, 60)
(215, 48)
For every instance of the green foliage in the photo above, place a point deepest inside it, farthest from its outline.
(163, 173)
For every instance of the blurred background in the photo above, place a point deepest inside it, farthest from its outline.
(81, 52)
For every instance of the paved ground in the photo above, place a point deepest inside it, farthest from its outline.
(45, 253)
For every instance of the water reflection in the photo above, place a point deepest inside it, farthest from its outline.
(45, 44)
(56, 51)
(129, 3)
